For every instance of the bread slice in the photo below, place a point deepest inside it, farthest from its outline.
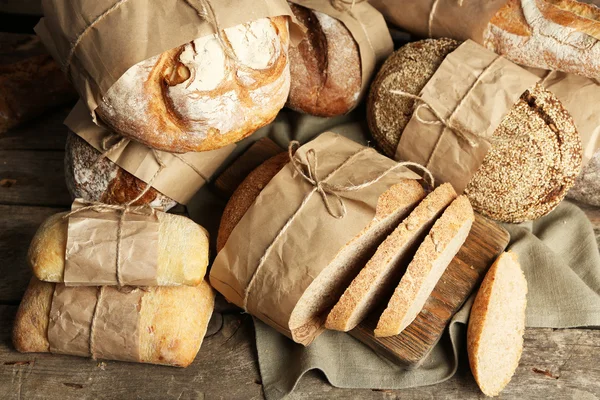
(497, 324)
(182, 250)
(374, 280)
(310, 312)
(172, 321)
(424, 271)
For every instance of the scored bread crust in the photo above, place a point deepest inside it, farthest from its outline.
(182, 250)
(374, 280)
(245, 194)
(194, 98)
(172, 324)
(413, 290)
(94, 178)
(551, 34)
(325, 67)
(531, 165)
(482, 315)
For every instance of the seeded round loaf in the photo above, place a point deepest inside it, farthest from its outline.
(246, 193)
(536, 153)
(325, 67)
(94, 179)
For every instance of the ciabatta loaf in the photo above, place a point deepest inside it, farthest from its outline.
(536, 153)
(182, 250)
(559, 35)
(374, 281)
(172, 321)
(497, 324)
(424, 271)
(325, 67)
(94, 178)
(196, 98)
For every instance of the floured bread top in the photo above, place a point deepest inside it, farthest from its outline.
(196, 98)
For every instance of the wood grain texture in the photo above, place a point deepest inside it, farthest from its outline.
(45, 133)
(485, 242)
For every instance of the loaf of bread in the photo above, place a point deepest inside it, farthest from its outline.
(172, 321)
(426, 268)
(559, 35)
(325, 67)
(311, 309)
(528, 169)
(376, 281)
(30, 81)
(497, 324)
(197, 98)
(94, 178)
(182, 250)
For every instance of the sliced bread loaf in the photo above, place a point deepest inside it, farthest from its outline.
(497, 324)
(424, 271)
(310, 312)
(383, 270)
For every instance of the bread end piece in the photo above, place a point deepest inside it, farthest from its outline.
(31, 322)
(497, 324)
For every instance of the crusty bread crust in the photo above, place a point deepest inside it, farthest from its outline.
(325, 67)
(166, 103)
(552, 34)
(245, 194)
(182, 250)
(447, 229)
(483, 314)
(345, 314)
(95, 178)
(172, 325)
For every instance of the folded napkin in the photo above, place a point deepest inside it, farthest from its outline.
(560, 258)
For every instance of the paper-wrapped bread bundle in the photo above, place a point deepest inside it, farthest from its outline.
(156, 250)
(332, 66)
(157, 325)
(272, 275)
(558, 35)
(101, 167)
(479, 122)
(212, 75)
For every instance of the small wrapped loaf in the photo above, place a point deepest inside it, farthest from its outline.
(182, 250)
(171, 324)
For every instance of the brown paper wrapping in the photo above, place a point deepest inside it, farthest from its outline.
(183, 174)
(313, 238)
(129, 34)
(368, 29)
(98, 322)
(478, 88)
(456, 19)
(91, 251)
(580, 96)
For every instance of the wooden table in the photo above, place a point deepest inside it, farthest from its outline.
(556, 364)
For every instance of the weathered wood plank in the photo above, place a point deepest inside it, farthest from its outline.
(18, 226)
(34, 178)
(28, 7)
(45, 133)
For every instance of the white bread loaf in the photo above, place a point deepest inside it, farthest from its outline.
(182, 250)
(497, 324)
(195, 98)
(424, 271)
(382, 271)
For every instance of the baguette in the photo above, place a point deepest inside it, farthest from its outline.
(182, 250)
(374, 280)
(497, 324)
(172, 324)
(424, 271)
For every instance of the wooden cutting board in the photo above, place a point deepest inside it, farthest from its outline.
(485, 242)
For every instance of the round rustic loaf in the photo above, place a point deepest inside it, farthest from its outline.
(246, 193)
(99, 179)
(197, 98)
(587, 185)
(536, 152)
(325, 67)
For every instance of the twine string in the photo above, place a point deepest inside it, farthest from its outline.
(344, 5)
(308, 171)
